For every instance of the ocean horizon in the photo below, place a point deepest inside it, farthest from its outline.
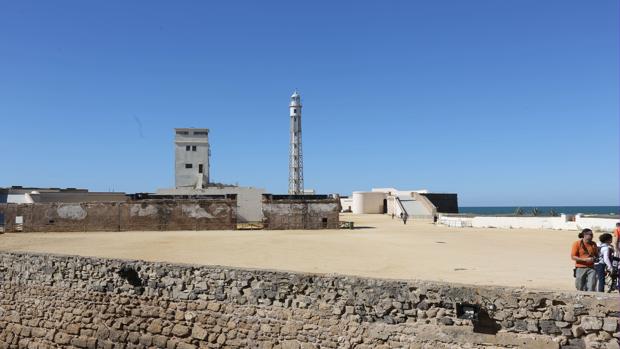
(496, 210)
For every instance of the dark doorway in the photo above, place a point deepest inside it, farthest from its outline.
(384, 205)
(199, 168)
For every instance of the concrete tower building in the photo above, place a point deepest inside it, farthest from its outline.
(191, 158)
(296, 163)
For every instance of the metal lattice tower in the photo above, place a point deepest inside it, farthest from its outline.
(296, 160)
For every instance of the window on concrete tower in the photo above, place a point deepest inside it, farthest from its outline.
(193, 148)
(200, 168)
(188, 165)
(187, 148)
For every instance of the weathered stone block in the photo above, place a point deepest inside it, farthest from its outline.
(181, 330)
(613, 345)
(591, 323)
(423, 305)
(549, 327)
(133, 337)
(569, 315)
(291, 345)
(578, 331)
(520, 325)
(38, 332)
(102, 332)
(610, 324)
(62, 338)
(73, 329)
(575, 343)
(183, 345)
(146, 339)
(118, 336)
(160, 341)
(155, 326)
(532, 325)
(199, 332)
(172, 344)
(446, 321)
(80, 342)
(213, 306)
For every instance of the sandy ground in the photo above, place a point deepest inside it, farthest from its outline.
(380, 247)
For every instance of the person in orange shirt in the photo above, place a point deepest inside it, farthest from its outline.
(584, 252)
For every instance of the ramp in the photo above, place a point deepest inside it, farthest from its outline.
(414, 208)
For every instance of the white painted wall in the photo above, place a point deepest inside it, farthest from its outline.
(19, 199)
(346, 204)
(368, 202)
(457, 222)
(559, 223)
(596, 223)
(516, 222)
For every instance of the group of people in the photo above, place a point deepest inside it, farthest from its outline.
(593, 262)
(403, 216)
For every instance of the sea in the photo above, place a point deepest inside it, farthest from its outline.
(498, 210)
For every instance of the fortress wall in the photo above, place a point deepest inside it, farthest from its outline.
(301, 213)
(68, 301)
(122, 216)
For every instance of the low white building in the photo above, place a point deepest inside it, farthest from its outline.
(22, 195)
(412, 203)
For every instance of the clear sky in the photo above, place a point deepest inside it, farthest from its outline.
(503, 102)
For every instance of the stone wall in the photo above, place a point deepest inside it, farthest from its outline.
(197, 214)
(300, 212)
(49, 301)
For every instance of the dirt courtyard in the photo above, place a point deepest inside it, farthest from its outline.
(379, 247)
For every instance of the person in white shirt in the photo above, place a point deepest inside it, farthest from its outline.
(604, 262)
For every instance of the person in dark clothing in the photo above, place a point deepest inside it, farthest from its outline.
(604, 264)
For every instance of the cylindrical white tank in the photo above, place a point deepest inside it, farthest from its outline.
(368, 202)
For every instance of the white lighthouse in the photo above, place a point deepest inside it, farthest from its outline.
(295, 163)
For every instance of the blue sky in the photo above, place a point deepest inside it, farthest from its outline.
(502, 102)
